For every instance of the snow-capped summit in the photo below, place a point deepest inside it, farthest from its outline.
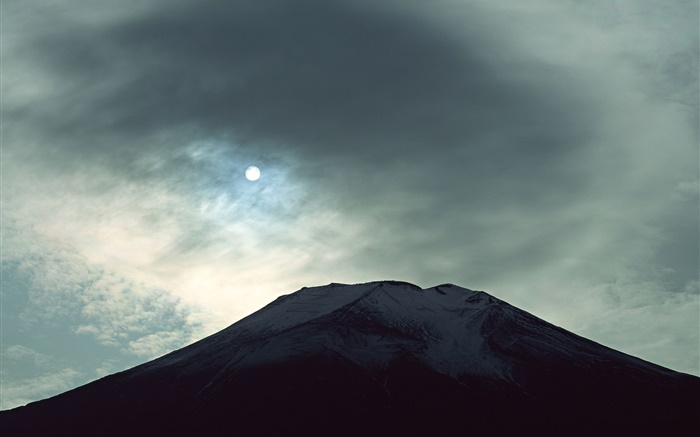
(382, 357)
(369, 323)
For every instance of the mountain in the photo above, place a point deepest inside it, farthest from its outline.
(382, 358)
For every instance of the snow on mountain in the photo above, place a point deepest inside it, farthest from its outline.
(451, 329)
(367, 323)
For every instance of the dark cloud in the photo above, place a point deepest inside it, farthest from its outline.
(373, 100)
(355, 90)
(369, 101)
(322, 78)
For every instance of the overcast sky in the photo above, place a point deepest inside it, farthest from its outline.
(543, 151)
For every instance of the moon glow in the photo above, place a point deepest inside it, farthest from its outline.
(252, 173)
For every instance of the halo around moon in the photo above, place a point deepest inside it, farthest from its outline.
(252, 173)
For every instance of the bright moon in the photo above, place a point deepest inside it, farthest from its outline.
(252, 173)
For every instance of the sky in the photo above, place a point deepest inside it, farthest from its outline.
(543, 151)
